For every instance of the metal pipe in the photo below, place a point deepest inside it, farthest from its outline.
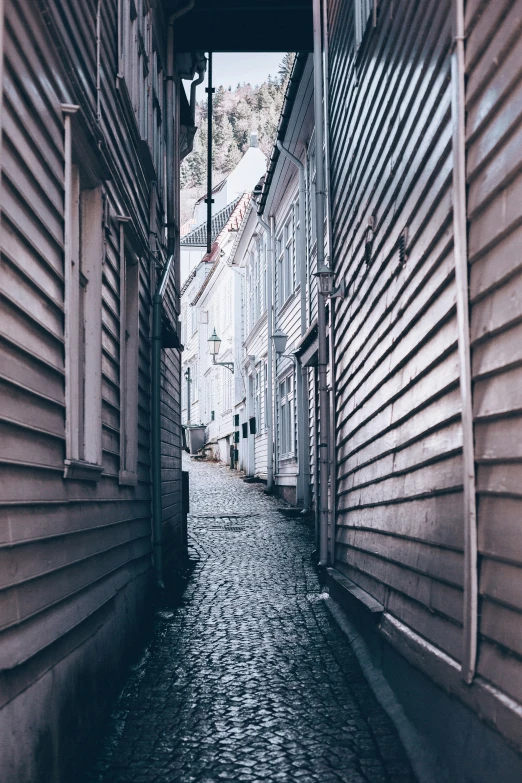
(333, 450)
(98, 61)
(157, 515)
(321, 304)
(301, 372)
(209, 198)
(458, 109)
(201, 67)
(269, 229)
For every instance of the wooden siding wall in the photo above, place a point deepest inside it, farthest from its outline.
(67, 547)
(400, 519)
(494, 164)
(399, 513)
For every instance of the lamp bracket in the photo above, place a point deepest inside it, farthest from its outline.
(229, 365)
(340, 292)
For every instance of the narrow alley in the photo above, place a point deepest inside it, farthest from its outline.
(248, 678)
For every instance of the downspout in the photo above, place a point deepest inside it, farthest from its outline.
(323, 450)
(332, 417)
(301, 372)
(458, 111)
(209, 199)
(269, 358)
(157, 515)
(201, 67)
(98, 61)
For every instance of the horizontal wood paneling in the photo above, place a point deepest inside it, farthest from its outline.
(399, 436)
(494, 130)
(68, 546)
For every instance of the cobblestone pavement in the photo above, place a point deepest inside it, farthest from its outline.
(249, 679)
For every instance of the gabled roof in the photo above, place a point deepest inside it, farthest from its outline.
(198, 236)
(233, 224)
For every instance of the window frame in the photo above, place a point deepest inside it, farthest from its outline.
(286, 403)
(83, 259)
(129, 358)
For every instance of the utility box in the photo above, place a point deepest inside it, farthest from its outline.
(196, 437)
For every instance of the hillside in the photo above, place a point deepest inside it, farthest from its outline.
(236, 112)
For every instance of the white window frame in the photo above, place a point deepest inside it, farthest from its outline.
(286, 393)
(266, 412)
(257, 398)
(285, 244)
(83, 257)
(194, 385)
(129, 357)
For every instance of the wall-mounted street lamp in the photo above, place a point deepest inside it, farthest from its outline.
(280, 339)
(325, 277)
(214, 344)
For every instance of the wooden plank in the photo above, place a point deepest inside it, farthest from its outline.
(499, 528)
(501, 624)
(437, 596)
(431, 448)
(499, 440)
(503, 479)
(499, 352)
(440, 563)
(502, 582)
(499, 394)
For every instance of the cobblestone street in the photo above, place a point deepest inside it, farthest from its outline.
(249, 678)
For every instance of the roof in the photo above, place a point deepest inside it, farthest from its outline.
(233, 224)
(198, 236)
(288, 104)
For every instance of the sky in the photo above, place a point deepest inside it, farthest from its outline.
(230, 68)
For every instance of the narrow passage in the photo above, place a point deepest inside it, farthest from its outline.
(249, 679)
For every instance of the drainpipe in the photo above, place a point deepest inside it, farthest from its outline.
(157, 515)
(269, 229)
(458, 109)
(323, 450)
(332, 416)
(201, 67)
(301, 372)
(209, 199)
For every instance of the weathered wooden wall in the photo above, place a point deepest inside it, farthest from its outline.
(75, 555)
(400, 522)
(494, 160)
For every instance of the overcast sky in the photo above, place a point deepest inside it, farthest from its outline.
(230, 68)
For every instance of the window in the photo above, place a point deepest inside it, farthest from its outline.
(285, 260)
(83, 222)
(286, 417)
(264, 270)
(195, 383)
(363, 10)
(129, 343)
(257, 399)
(266, 412)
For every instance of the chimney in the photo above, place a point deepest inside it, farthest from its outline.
(253, 139)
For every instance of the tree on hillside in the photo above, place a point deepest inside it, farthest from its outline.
(236, 113)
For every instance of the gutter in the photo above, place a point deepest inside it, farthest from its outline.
(157, 515)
